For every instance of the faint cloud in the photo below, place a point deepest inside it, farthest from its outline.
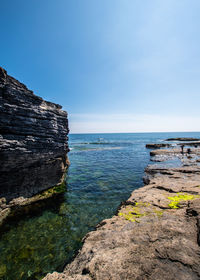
(96, 123)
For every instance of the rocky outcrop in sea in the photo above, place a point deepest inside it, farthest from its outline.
(33, 144)
(155, 234)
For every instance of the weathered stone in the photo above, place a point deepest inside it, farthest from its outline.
(155, 235)
(33, 141)
(175, 151)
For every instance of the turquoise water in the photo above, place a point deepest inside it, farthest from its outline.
(104, 170)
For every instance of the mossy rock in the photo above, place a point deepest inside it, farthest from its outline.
(141, 209)
(54, 190)
(179, 197)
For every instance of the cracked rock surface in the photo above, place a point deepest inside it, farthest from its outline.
(155, 235)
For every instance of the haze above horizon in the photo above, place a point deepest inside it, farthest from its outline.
(114, 66)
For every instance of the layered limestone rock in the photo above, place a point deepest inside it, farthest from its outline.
(33, 141)
(155, 235)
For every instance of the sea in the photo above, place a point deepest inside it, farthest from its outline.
(104, 170)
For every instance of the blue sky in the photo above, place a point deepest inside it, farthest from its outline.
(114, 65)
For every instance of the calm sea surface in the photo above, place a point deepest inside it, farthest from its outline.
(104, 170)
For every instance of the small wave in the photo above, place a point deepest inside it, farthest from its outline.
(106, 143)
(93, 143)
(96, 149)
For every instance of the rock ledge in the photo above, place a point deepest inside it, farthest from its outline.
(154, 236)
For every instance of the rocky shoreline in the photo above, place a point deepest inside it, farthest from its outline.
(155, 234)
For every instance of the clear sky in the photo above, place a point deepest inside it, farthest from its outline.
(114, 65)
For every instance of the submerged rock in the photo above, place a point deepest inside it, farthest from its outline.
(33, 141)
(157, 145)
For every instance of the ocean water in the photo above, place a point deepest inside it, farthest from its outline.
(104, 170)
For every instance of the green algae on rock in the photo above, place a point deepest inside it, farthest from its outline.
(175, 200)
(141, 209)
(22, 207)
(54, 190)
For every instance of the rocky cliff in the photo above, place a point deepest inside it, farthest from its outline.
(155, 235)
(33, 141)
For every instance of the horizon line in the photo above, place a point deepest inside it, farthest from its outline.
(137, 132)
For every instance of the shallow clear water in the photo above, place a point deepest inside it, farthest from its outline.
(104, 170)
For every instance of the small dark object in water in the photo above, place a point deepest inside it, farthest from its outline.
(182, 149)
(189, 151)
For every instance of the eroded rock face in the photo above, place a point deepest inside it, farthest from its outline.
(155, 235)
(33, 140)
